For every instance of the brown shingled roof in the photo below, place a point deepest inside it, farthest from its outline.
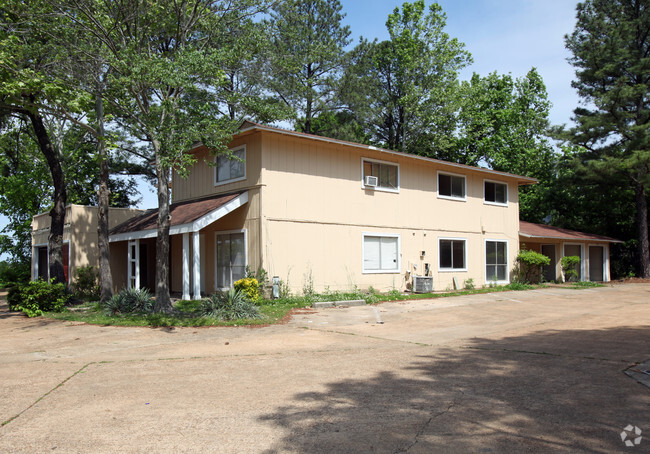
(530, 230)
(181, 213)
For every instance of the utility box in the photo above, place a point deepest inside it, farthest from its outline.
(422, 284)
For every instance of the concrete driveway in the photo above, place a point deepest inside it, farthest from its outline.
(531, 371)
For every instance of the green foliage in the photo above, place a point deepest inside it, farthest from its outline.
(306, 54)
(530, 264)
(230, 305)
(85, 283)
(585, 284)
(570, 264)
(518, 286)
(14, 273)
(469, 284)
(262, 278)
(250, 288)
(37, 297)
(610, 46)
(405, 90)
(129, 301)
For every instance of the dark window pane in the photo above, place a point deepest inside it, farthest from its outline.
(444, 185)
(459, 254)
(458, 187)
(489, 192)
(445, 254)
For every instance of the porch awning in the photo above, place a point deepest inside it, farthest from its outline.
(186, 217)
(541, 231)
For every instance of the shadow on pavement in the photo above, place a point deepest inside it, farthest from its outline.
(548, 391)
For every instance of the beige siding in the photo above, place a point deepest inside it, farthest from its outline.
(201, 183)
(316, 210)
(80, 231)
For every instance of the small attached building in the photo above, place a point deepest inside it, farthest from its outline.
(555, 243)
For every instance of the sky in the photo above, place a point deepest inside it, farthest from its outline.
(506, 36)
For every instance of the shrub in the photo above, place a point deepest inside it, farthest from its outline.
(262, 278)
(569, 267)
(85, 284)
(14, 273)
(250, 288)
(230, 305)
(37, 297)
(129, 301)
(530, 265)
(469, 284)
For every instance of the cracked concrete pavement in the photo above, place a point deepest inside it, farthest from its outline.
(530, 371)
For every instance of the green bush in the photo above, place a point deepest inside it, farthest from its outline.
(250, 288)
(262, 278)
(469, 284)
(14, 273)
(86, 283)
(129, 301)
(230, 305)
(37, 297)
(569, 267)
(530, 265)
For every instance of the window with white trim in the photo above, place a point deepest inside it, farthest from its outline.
(496, 261)
(495, 193)
(452, 254)
(387, 174)
(230, 168)
(451, 186)
(381, 253)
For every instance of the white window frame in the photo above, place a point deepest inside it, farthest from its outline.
(398, 269)
(487, 202)
(380, 188)
(216, 253)
(35, 270)
(583, 262)
(453, 270)
(448, 197)
(232, 180)
(485, 264)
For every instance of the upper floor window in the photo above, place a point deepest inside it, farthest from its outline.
(386, 175)
(229, 169)
(495, 193)
(451, 186)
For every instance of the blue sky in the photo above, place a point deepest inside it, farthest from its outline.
(507, 36)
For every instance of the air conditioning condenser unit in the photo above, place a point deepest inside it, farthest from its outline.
(422, 284)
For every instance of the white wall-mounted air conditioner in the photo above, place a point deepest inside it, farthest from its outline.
(371, 181)
(422, 284)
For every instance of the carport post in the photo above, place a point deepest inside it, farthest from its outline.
(196, 266)
(186, 266)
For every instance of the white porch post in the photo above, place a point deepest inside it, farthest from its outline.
(133, 280)
(196, 266)
(186, 266)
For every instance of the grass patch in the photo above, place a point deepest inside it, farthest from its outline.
(584, 284)
(188, 313)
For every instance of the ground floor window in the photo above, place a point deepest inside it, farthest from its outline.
(496, 261)
(231, 258)
(452, 254)
(380, 253)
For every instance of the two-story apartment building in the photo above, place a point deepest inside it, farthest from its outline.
(323, 213)
(329, 214)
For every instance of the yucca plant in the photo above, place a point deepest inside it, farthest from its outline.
(128, 301)
(230, 305)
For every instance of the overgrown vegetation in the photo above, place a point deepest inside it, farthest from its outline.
(250, 288)
(86, 283)
(529, 266)
(230, 305)
(129, 301)
(570, 264)
(37, 297)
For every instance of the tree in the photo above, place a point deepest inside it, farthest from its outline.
(407, 87)
(611, 48)
(306, 55)
(503, 124)
(165, 68)
(24, 58)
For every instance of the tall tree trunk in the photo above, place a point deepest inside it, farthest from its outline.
(163, 301)
(57, 213)
(103, 194)
(642, 226)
